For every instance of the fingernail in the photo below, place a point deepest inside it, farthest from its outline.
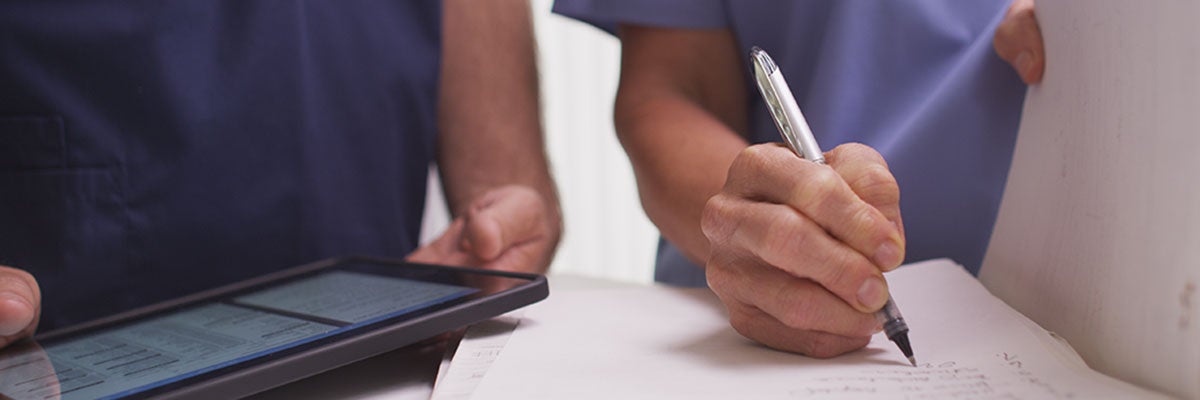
(872, 294)
(13, 326)
(887, 255)
(1024, 63)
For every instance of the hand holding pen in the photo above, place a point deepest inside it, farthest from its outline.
(798, 248)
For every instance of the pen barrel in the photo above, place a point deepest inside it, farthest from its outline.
(796, 131)
(889, 316)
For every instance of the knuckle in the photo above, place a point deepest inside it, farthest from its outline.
(1003, 40)
(877, 185)
(751, 158)
(824, 345)
(855, 148)
(858, 152)
(802, 315)
(843, 272)
(866, 228)
(747, 166)
(716, 276)
(743, 325)
(837, 272)
(1024, 12)
(817, 189)
(862, 222)
(739, 320)
(725, 276)
(756, 152)
(819, 345)
(715, 219)
(783, 237)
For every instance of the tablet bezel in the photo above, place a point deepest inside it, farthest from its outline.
(294, 363)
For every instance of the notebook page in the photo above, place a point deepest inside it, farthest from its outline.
(664, 343)
(1098, 235)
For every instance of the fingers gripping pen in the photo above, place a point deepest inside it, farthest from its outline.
(795, 131)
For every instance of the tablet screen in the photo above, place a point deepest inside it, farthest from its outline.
(148, 353)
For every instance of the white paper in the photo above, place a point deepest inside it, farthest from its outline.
(479, 348)
(663, 343)
(1098, 236)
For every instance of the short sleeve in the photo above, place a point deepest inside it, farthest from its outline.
(607, 14)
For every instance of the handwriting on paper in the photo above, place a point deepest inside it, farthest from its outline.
(1007, 378)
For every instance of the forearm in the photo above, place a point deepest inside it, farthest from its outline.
(680, 108)
(680, 154)
(490, 132)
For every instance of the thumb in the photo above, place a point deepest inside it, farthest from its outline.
(502, 219)
(20, 301)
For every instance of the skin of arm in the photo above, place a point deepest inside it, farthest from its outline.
(490, 149)
(680, 124)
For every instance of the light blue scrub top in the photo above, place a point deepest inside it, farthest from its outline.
(916, 80)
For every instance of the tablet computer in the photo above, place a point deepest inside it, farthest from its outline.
(254, 335)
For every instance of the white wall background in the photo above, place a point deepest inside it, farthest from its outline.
(607, 234)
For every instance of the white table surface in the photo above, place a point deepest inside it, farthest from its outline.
(407, 373)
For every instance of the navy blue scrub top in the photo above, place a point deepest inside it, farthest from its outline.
(151, 148)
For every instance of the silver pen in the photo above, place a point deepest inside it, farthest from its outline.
(795, 131)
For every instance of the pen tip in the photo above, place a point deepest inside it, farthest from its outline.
(913, 361)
